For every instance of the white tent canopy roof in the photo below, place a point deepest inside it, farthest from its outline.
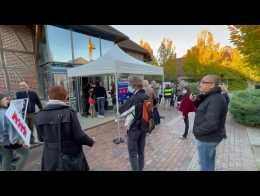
(115, 61)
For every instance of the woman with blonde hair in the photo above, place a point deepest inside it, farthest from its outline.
(149, 90)
(224, 92)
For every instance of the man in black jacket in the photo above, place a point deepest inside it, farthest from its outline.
(101, 96)
(209, 124)
(33, 100)
(136, 133)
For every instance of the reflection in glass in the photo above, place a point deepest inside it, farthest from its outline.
(85, 47)
(59, 43)
(106, 46)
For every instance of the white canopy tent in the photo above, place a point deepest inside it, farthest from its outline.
(115, 62)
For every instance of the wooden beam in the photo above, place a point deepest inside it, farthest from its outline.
(4, 67)
(12, 50)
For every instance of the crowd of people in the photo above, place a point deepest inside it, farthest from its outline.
(94, 99)
(59, 129)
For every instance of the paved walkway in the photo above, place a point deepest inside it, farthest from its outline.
(164, 150)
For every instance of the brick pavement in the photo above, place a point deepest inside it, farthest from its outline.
(164, 150)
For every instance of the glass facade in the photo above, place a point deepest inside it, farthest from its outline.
(57, 50)
(106, 45)
(86, 47)
(59, 44)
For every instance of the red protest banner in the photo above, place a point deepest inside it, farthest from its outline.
(19, 124)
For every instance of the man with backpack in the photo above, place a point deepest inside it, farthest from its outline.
(136, 133)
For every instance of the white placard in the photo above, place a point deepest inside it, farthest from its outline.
(19, 124)
(21, 106)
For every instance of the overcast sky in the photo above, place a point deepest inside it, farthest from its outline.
(183, 36)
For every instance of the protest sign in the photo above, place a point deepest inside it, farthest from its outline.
(21, 106)
(122, 90)
(19, 124)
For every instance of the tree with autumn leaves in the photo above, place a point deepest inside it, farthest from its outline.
(149, 49)
(166, 57)
(207, 57)
(247, 40)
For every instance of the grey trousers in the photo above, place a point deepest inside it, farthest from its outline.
(136, 144)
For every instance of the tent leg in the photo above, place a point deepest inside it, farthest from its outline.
(119, 139)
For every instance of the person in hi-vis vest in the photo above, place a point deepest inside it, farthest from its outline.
(168, 93)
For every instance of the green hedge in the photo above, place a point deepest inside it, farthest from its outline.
(194, 88)
(245, 107)
(237, 85)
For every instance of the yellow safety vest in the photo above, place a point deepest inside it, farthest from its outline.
(168, 92)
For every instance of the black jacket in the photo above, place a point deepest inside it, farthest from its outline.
(72, 135)
(226, 97)
(33, 100)
(137, 100)
(100, 92)
(210, 117)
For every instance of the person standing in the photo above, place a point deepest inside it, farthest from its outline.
(149, 90)
(10, 141)
(186, 106)
(209, 124)
(156, 114)
(224, 92)
(59, 128)
(152, 97)
(172, 102)
(33, 100)
(168, 93)
(160, 93)
(136, 134)
(113, 95)
(101, 96)
(92, 102)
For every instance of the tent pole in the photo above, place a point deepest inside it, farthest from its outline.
(69, 90)
(117, 104)
(119, 139)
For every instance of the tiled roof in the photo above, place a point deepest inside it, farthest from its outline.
(132, 46)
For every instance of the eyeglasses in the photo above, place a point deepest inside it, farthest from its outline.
(205, 82)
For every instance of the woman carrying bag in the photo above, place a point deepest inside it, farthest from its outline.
(59, 128)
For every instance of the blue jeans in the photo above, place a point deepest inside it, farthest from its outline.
(101, 105)
(207, 155)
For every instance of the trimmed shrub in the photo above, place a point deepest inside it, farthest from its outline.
(237, 85)
(194, 88)
(245, 107)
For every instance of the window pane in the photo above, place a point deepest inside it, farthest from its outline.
(85, 47)
(59, 44)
